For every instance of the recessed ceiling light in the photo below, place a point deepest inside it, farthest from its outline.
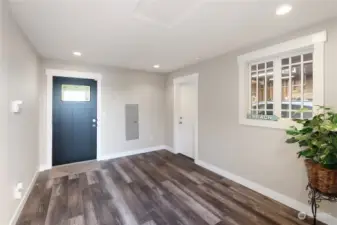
(77, 53)
(156, 66)
(283, 9)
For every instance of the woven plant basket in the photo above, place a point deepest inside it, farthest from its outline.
(320, 178)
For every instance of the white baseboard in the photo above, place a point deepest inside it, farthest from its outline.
(23, 201)
(133, 152)
(168, 148)
(324, 217)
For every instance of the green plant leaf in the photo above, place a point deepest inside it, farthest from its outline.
(308, 153)
(303, 143)
(299, 121)
(306, 130)
(323, 107)
(317, 137)
(292, 132)
(291, 140)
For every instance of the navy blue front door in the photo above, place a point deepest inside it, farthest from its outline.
(74, 120)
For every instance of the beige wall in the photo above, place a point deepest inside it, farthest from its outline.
(18, 132)
(257, 154)
(120, 87)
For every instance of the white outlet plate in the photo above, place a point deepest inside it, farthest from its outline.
(18, 191)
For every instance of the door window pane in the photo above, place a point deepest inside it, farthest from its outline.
(75, 93)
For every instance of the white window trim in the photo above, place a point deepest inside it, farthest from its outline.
(315, 41)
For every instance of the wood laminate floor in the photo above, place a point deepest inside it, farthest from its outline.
(157, 188)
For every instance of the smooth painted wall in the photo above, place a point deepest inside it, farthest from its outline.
(256, 154)
(119, 87)
(19, 80)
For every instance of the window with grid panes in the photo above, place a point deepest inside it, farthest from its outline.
(262, 78)
(289, 77)
(297, 86)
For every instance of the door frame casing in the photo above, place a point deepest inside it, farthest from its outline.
(192, 78)
(49, 104)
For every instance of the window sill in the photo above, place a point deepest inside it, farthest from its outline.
(280, 124)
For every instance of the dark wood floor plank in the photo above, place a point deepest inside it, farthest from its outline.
(91, 177)
(151, 222)
(147, 204)
(58, 206)
(36, 209)
(184, 183)
(123, 209)
(238, 207)
(90, 216)
(255, 205)
(83, 181)
(106, 213)
(228, 221)
(214, 204)
(194, 205)
(75, 204)
(155, 188)
(150, 174)
(148, 168)
(157, 217)
(167, 211)
(77, 220)
(176, 160)
(134, 204)
(122, 172)
(184, 211)
(129, 169)
(264, 202)
(144, 179)
(185, 173)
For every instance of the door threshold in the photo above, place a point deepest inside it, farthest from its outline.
(74, 163)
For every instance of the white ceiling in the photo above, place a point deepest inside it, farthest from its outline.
(137, 34)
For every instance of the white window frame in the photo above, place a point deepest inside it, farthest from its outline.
(315, 42)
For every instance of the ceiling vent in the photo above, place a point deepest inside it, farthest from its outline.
(165, 12)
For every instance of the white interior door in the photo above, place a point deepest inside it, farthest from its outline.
(187, 111)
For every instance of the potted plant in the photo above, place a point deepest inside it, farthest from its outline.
(317, 138)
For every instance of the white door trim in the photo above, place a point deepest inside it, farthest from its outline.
(49, 117)
(176, 82)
